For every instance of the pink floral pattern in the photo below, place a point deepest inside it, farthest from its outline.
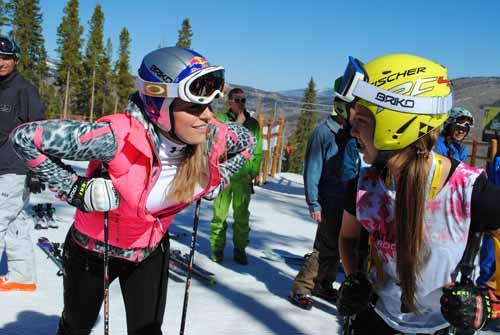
(434, 205)
(446, 217)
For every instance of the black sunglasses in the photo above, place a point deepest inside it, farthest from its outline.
(240, 100)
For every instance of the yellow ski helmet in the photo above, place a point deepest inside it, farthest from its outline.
(408, 95)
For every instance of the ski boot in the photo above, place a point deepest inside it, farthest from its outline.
(301, 300)
(325, 291)
(49, 216)
(217, 256)
(39, 217)
(240, 256)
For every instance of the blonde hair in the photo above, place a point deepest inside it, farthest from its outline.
(192, 171)
(412, 169)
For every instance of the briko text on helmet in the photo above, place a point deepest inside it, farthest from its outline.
(407, 103)
(156, 70)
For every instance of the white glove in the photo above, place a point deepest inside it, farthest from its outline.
(94, 194)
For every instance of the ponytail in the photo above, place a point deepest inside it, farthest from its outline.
(412, 172)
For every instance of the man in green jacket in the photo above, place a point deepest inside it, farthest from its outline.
(239, 190)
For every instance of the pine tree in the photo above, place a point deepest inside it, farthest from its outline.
(27, 31)
(106, 106)
(52, 101)
(4, 19)
(304, 128)
(185, 35)
(69, 69)
(92, 79)
(124, 81)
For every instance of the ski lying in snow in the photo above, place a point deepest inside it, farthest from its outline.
(179, 265)
(178, 261)
(53, 252)
(178, 236)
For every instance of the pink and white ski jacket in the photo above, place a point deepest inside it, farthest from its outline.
(128, 145)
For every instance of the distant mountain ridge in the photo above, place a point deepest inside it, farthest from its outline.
(473, 93)
(325, 92)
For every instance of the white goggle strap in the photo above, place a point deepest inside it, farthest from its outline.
(403, 103)
(349, 94)
(157, 90)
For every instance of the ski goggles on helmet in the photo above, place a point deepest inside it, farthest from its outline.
(201, 87)
(464, 126)
(464, 121)
(8, 47)
(354, 84)
(340, 106)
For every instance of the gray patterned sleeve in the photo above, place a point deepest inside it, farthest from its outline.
(42, 145)
(240, 144)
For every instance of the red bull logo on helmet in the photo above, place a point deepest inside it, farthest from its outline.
(198, 60)
(197, 63)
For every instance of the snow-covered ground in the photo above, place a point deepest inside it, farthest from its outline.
(246, 299)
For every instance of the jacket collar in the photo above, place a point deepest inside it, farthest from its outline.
(333, 125)
(232, 116)
(4, 81)
(134, 109)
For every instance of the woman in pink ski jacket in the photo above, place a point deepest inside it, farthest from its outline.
(145, 165)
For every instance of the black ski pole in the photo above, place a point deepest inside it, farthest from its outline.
(471, 250)
(190, 264)
(362, 250)
(106, 275)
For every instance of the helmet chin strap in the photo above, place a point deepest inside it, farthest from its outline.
(171, 132)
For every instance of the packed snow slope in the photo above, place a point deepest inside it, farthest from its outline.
(246, 299)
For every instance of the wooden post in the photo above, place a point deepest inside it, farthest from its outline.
(277, 148)
(267, 153)
(473, 153)
(261, 121)
(493, 151)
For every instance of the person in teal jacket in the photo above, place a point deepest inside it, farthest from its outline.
(331, 160)
(456, 128)
(239, 190)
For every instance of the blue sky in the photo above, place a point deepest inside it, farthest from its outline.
(280, 45)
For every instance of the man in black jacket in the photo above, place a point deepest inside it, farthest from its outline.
(19, 103)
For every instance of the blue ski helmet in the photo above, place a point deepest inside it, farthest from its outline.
(9, 47)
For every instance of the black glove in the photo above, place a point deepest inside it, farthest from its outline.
(355, 294)
(466, 306)
(35, 185)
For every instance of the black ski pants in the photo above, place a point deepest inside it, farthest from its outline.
(143, 286)
(321, 266)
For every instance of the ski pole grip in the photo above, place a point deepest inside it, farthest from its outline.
(471, 250)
